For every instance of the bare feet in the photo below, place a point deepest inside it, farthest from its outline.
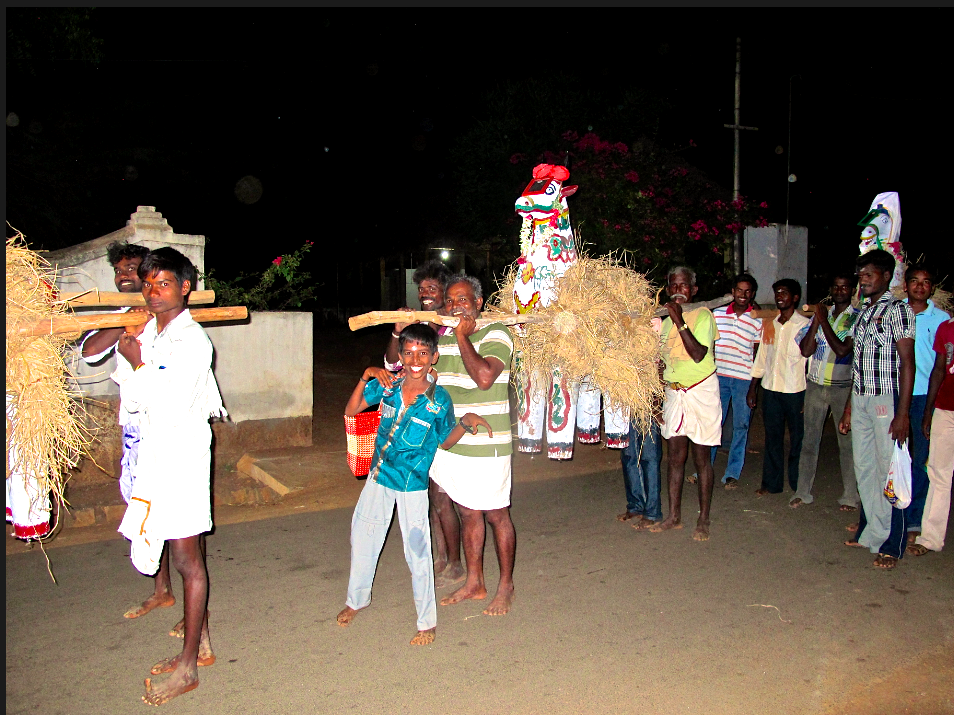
(454, 573)
(885, 562)
(795, 503)
(847, 507)
(346, 616)
(500, 606)
(161, 600)
(731, 483)
(761, 492)
(181, 681)
(666, 525)
(852, 527)
(465, 593)
(206, 657)
(424, 637)
(701, 533)
(852, 542)
(627, 515)
(178, 630)
(643, 524)
(692, 478)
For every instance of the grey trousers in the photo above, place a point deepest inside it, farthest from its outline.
(818, 400)
(872, 447)
(369, 526)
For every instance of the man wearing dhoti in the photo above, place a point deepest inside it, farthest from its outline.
(166, 378)
(692, 410)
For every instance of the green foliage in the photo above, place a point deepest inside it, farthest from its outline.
(50, 34)
(281, 286)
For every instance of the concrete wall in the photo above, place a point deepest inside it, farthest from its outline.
(770, 255)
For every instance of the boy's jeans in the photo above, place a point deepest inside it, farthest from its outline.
(369, 526)
(734, 390)
(640, 460)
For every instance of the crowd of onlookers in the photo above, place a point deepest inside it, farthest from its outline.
(883, 368)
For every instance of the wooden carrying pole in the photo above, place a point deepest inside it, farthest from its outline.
(108, 299)
(62, 324)
(382, 317)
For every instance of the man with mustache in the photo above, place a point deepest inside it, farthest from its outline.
(692, 411)
(474, 367)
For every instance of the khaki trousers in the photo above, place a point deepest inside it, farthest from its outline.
(940, 467)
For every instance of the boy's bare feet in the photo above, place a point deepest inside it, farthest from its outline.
(206, 657)
(500, 606)
(178, 630)
(761, 492)
(465, 593)
(702, 532)
(795, 503)
(346, 616)
(161, 600)
(627, 515)
(425, 637)
(847, 507)
(181, 681)
(454, 573)
(643, 524)
(666, 525)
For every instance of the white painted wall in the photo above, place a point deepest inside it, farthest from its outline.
(264, 368)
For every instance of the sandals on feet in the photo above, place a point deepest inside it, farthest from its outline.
(917, 550)
(731, 483)
(885, 562)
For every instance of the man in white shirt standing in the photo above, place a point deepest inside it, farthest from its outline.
(780, 369)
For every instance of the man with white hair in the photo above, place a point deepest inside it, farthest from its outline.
(692, 411)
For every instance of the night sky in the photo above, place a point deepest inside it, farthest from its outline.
(347, 119)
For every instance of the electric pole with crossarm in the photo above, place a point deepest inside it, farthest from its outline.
(737, 242)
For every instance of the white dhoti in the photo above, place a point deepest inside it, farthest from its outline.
(694, 412)
(28, 509)
(171, 496)
(480, 483)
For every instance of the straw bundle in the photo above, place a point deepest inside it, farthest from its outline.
(46, 429)
(588, 336)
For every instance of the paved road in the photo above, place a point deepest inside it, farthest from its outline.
(772, 615)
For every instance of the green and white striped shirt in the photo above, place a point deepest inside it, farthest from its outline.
(493, 405)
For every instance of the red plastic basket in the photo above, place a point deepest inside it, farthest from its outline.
(361, 431)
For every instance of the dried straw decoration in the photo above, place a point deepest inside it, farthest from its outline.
(599, 328)
(47, 427)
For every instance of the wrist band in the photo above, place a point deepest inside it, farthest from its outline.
(142, 364)
(362, 379)
(394, 335)
(468, 430)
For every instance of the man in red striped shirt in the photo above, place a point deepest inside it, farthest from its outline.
(739, 336)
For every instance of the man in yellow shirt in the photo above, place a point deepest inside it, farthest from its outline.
(692, 410)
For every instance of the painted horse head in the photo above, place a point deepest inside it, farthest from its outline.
(547, 246)
(881, 228)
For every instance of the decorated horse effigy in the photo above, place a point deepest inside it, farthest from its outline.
(881, 229)
(547, 249)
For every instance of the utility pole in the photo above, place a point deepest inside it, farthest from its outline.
(737, 241)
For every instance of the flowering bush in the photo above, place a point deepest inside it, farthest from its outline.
(281, 286)
(651, 204)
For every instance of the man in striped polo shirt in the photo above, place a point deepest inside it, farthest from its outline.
(825, 343)
(739, 336)
(474, 367)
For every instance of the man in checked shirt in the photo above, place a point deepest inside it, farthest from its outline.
(877, 413)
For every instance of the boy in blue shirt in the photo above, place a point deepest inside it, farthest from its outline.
(417, 417)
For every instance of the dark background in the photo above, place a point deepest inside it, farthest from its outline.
(349, 119)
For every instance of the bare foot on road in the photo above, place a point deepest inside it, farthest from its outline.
(761, 492)
(178, 630)
(465, 593)
(852, 527)
(795, 503)
(643, 524)
(206, 657)
(181, 681)
(346, 616)
(701, 533)
(161, 601)
(424, 637)
(500, 606)
(449, 576)
(852, 542)
(666, 525)
(847, 507)
(627, 515)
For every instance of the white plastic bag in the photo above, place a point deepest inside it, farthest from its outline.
(897, 487)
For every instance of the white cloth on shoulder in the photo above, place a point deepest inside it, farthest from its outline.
(480, 483)
(694, 412)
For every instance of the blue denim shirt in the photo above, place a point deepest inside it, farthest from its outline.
(408, 438)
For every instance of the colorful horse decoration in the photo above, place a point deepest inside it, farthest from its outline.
(547, 249)
(882, 229)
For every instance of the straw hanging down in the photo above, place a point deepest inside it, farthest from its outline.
(593, 332)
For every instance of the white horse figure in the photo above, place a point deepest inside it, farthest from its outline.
(882, 229)
(547, 249)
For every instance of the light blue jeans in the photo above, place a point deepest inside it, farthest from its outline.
(369, 526)
(733, 390)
